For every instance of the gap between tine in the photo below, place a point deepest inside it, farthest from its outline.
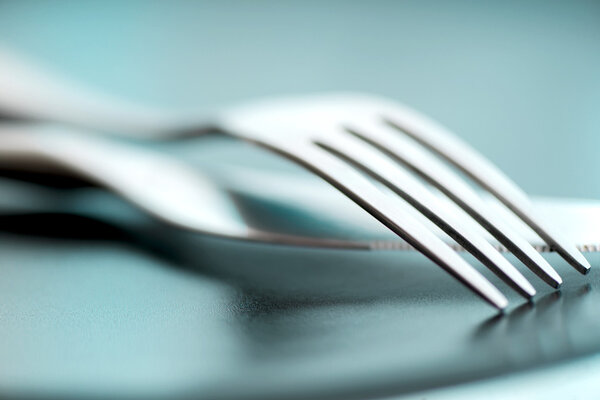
(383, 169)
(483, 172)
(425, 164)
(366, 195)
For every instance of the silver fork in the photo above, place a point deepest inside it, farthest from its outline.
(342, 124)
(342, 138)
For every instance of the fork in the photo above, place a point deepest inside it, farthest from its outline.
(31, 92)
(348, 140)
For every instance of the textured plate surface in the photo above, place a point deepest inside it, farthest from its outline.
(98, 299)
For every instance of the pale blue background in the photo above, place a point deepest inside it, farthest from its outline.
(517, 79)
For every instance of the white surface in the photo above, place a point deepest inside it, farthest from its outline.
(573, 381)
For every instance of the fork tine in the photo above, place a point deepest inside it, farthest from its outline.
(362, 192)
(408, 152)
(467, 159)
(391, 174)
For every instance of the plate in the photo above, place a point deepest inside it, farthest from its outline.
(100, 300)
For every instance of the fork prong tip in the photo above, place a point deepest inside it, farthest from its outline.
(501, 303)
(529, 292)
(584, 265)
(557, 283)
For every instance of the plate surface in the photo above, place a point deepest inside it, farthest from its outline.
(99, 299)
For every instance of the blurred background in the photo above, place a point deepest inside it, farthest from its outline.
(518, 80)
(107, 314)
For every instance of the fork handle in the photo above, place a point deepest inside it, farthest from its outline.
(29, 92)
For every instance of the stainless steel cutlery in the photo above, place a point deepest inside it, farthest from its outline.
(349, 140)
(357, 143)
